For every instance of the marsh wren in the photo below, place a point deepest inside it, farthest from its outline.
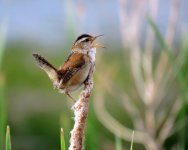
(75, 70)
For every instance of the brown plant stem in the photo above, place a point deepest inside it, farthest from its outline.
(80, 109)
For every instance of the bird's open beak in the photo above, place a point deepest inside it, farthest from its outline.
(98, 36)
(98, 45)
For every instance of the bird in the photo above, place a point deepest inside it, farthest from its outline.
(74, 72)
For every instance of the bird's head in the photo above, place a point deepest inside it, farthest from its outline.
(85, 42)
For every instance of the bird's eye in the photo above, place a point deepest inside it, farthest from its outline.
(87, 40)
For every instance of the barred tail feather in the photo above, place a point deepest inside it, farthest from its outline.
(47, 67)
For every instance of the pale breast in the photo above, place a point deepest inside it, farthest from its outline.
(91, 54)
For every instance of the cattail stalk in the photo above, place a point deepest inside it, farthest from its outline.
(80, 109)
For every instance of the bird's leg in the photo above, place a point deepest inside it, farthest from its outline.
(67, 93)
(88, 81)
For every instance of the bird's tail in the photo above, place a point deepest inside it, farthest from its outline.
(47, 67)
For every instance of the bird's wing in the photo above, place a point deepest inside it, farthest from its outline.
(47, 67)
(74, 62)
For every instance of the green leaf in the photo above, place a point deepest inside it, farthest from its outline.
(63, 146)
(118, 143)
(132, 141)
(161, 40)
(8, 140)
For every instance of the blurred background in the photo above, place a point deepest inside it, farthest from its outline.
(140, 80)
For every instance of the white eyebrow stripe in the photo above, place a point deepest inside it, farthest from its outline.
(82, 39)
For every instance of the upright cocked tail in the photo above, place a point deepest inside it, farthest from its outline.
(48, 68)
